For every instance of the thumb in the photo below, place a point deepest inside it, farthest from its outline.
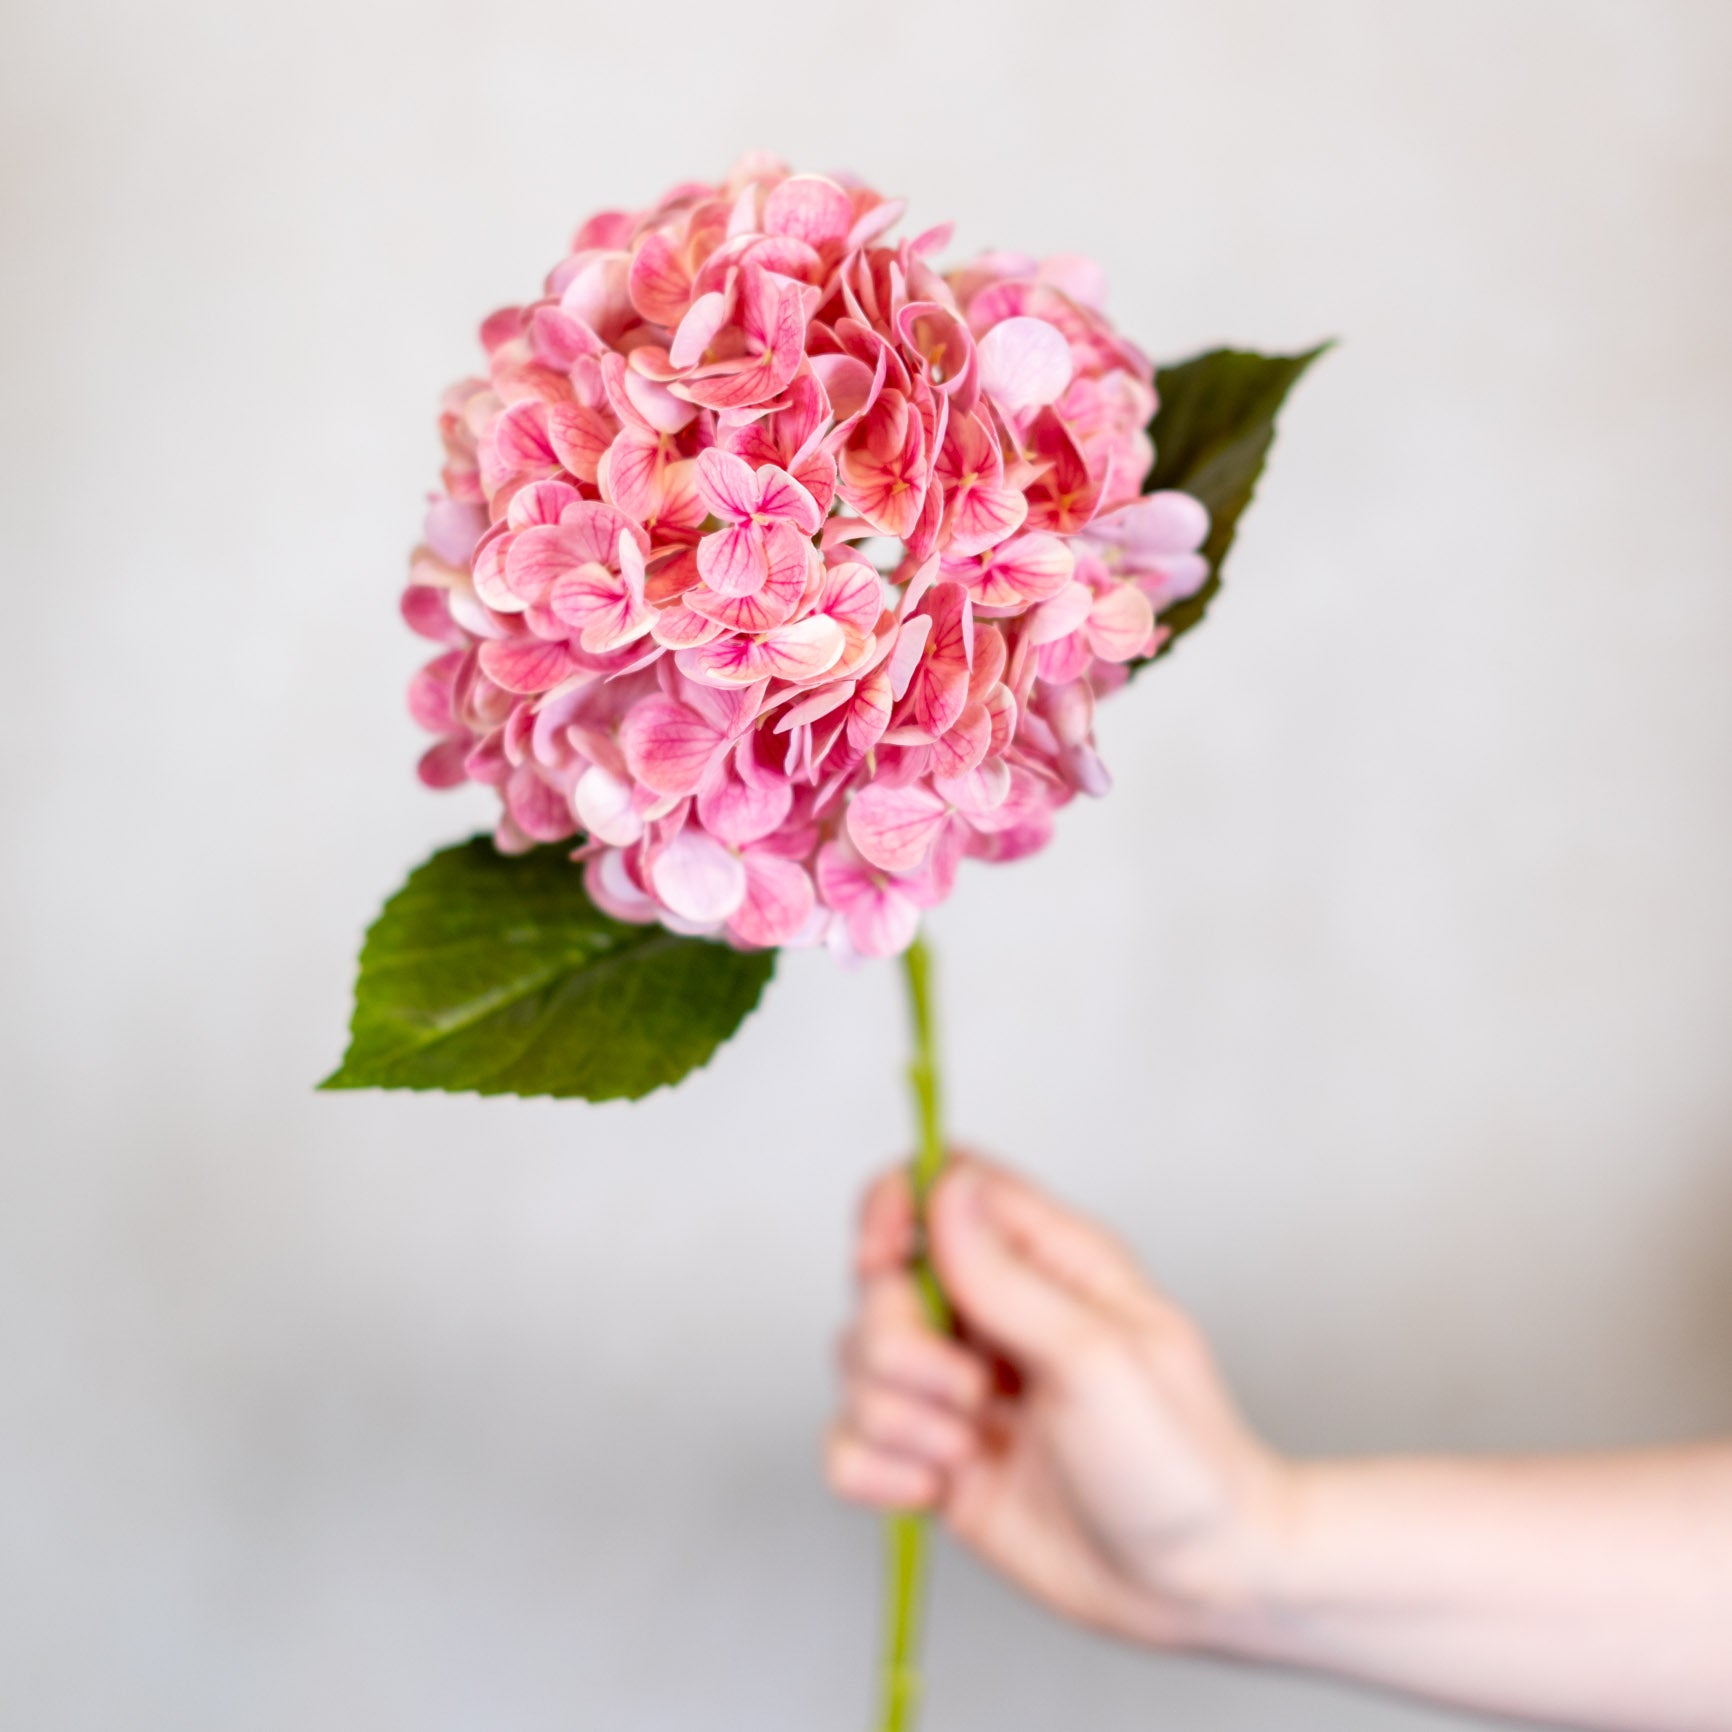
(1002, 1295)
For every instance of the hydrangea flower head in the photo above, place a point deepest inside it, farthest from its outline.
(779, 571)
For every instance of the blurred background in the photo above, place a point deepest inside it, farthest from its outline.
(1385, 1006)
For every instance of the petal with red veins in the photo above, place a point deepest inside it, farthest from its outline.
(667, 746)
(735, 560)
(811, 208)
(894, 828)
(727, 484)
(539, 811)
(779, 901)
(802, 651)
(780, 495)
(527, 664)
(740, 812)
(659, 283)
(961, 749)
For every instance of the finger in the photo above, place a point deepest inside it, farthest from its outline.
(1066, 1244)
(889, 1345)
(885, 1239)
(897, 1423)
(862, 1474)
(1003, 1294)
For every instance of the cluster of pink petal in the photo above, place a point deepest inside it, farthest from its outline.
(784, 570)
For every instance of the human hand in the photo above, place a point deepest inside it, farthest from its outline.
(1077, 1436)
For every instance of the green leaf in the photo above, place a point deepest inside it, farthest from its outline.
(496, 973)
(1212, 435)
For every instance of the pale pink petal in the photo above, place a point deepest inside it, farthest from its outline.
(603, 803)
(1060, 616)
(697, 878)
(1120, 624)
(613, 890)
(894, 827)
(697, 330)
(905, 658)
(658, 405)
(980, 793)
(802, 651)
(1025, 364)
(452, 529)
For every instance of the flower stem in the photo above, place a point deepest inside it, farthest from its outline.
(907, 1533)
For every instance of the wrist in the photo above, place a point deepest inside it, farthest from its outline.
(1227, 1589)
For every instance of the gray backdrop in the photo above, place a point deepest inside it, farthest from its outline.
(1385, 1005)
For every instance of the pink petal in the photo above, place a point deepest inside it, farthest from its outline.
(905, 658)
(613, 890)
(539, 811)
(983, 516)
(1060, 616)
(727, 484)
(697, 330)
(739, 812)
(540, 502)
(453, 528)
(883, 923)
(659, 283)
(697, 878)
(527, 664)
(780, 495)
(734, 560)
(802, 651)
(658, 405)
(957, 752)
(1120, 624)
(894, 828)
(442, 764)
(603, 803)
(773, 605)
(779, 901)
(1025, 364)
(853, 595)
(667, 746)
(810, 208)
(579, 437)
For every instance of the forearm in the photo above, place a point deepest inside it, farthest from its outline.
(1589, 1591)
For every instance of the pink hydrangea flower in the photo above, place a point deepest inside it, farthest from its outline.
(779, 571)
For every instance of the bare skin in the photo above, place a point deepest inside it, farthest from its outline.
(1080, 1440)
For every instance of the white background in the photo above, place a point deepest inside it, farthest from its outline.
(1385, 1005)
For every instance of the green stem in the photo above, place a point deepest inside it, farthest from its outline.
(907, 1533)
